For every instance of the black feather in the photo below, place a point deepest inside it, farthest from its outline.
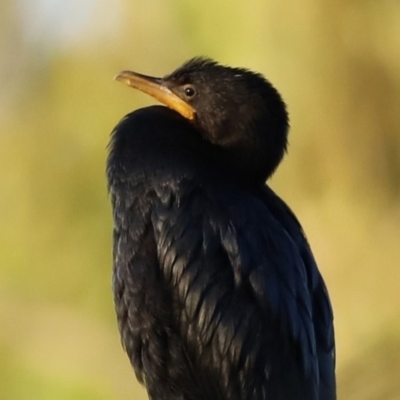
(216, 290)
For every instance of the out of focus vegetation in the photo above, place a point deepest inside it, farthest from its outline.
(337, 65)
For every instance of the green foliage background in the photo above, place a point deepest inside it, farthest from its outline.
(337, 64)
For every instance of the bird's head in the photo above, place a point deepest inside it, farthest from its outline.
(235, 109)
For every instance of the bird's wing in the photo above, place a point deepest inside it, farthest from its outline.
(241, 291)
(321, 306)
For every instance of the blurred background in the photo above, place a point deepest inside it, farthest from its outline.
(336, 63)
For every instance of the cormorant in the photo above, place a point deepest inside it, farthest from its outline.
(217, 293)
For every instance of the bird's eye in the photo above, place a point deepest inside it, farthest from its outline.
(189, 91)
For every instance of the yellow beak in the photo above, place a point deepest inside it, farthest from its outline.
(156, 88)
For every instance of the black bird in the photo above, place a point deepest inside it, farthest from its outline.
(217, 293)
